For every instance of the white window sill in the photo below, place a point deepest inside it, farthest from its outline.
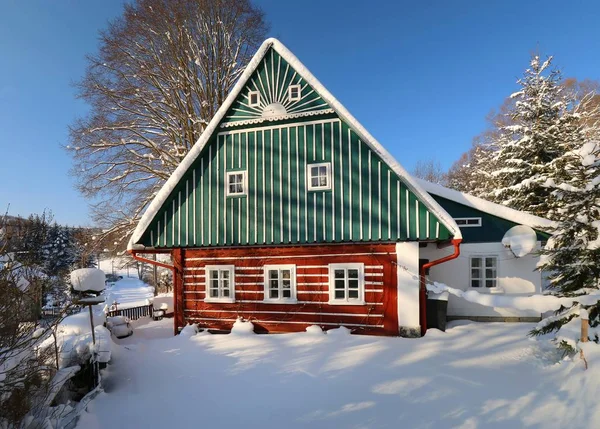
(340, 302)
(220, 300)
(280, 301)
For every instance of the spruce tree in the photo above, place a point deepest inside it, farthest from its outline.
(523, 150)
(572, 257)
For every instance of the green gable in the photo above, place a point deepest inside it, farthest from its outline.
(272, 81)
(492, 227)
(274, 128)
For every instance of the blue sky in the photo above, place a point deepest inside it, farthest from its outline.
(421, 76)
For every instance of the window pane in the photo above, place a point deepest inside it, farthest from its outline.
(474, 283)
(314, 171)
(352, 274)
(353, 294)
(214, 293)
(323, 181)
(314, 182)
(274, 293)
(339, 274)
(274, 284)
(226, 292)
(225, 274)
(214, 274)
(476, 262)
(287, 293)
(490, 283)
(490, 262)
(475, 273)
(215, 284)
(339, 284)
(273, 274)
(490, 273)
(322, 171)
(339, 294)
(353, 284)
(239, 188)
(286, 274)
(225, 284)
(286, 284)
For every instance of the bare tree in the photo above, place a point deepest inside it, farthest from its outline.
(430, 170)
(162, 71)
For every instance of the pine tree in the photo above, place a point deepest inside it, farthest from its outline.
(525, 149)
(573, 257)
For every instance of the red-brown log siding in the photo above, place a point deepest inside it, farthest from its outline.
(377, 316)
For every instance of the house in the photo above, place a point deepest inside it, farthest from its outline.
(287, 212)
(485, 264)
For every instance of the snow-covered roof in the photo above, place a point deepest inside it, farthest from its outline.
(477, 203)
(341, 111)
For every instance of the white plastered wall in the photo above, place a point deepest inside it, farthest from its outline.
(516, 276)
(408, 288)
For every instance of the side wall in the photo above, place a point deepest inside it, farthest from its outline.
(377, 316)
(516, 276)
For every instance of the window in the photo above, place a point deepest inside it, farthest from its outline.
(294, 92)
(319, 176)
(220, 283)
(466, 222)
(253, 98)
(280, 283)
(346, 284)
(236, 183)
(484, 271)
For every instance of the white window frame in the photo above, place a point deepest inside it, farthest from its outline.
(466, 220)
(482, 277)
(207, 279)
(244, 184)
(250, 94)
(293, 290)
(361, 284)
(290, 96)
(309, 176)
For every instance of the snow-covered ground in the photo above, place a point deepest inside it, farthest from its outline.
(472, 376)
(129, 291)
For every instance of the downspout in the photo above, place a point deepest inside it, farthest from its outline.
(423, 288)
(149, 261)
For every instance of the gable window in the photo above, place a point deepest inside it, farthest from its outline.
(253, 98)
(346, 284)
(294, 92)
(220, 283)
(467, 222)
(319, 176)
(280, 283)
(236, 183)
(484, 271)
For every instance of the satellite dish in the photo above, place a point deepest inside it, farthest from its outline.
(520, 239)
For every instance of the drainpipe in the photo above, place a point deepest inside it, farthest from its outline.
(423, 289)
(134, 255)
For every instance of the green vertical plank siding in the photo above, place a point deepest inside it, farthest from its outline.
(367, 202)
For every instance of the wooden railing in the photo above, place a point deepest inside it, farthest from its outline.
(132, 313)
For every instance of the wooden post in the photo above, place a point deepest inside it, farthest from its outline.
(177, 255)
(92, 324)
(585, 324)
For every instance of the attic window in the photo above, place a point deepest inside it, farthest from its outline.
(468, 222)
(319, 176)
(236, 183)
(253, 98)
(294, 92)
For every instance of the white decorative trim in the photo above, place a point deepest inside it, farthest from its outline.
(276, 118)
(331, 101)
